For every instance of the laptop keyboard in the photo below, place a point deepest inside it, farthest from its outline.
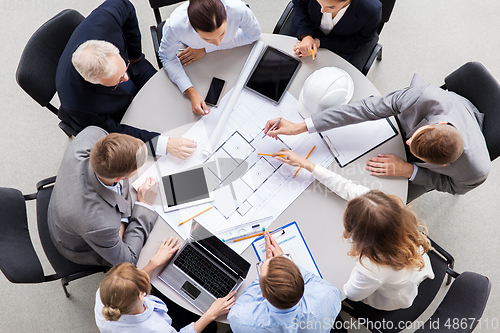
(203, 271)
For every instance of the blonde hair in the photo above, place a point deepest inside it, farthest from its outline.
(120, 289)
(117, 155)
(438, 144)
(91, 60)
(386, 232)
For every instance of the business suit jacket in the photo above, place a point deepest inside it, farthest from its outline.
(418, 105)
(356, 28)
(84, 103)
(84, 217)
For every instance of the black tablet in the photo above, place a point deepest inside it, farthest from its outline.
(272, 74)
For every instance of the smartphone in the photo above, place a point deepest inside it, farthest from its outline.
(215, 91)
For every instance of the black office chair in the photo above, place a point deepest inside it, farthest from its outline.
(474, 82)
(18, 259)
(363, 58)
(442, 265)
(156, 30)
(36, 72)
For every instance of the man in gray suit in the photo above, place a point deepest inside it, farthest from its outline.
(91, 217)
(447, 151)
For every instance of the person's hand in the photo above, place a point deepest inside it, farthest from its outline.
(221, 306)
(181, 147)
(389, 165)
(293, 159)
(197, 103)
(303, 48)
(166, 251)
(284, 127)
(272, 247)
(190, 55)
(147, 192)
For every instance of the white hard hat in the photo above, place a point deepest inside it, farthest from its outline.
(326, 87)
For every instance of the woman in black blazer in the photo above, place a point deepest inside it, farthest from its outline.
(341, 26)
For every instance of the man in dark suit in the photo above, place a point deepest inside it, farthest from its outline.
(91, 96)
(341, 26)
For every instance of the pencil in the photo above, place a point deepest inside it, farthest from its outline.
(247, 237)
(306, 159)
(271, 155)
(313, 53)
(192, 217)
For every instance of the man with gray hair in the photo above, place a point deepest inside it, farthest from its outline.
(101, 70)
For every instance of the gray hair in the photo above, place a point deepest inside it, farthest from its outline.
(91, 60)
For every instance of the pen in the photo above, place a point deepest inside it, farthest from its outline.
(272, 127)
(192, 217)
(313, 53)
(271, 155)
(306, 159)
(240, 238)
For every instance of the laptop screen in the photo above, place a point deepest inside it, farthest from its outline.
(219, 249)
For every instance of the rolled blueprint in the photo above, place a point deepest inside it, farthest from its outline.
(235, 94)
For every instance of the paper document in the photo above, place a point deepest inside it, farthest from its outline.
(291, 242)
(247, 186)
(348, 143)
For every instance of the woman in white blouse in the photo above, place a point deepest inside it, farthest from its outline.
(203, 26)
(123, 303)
(386, 239)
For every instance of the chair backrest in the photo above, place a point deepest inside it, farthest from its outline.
(36, 72)
(474, 82)
(387, 7)
(465, 300)
(157, 4)
(62, 266)
(18, 259)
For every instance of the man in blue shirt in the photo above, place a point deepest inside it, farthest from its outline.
(285, 298)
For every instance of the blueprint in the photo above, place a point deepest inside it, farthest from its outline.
(246, 186)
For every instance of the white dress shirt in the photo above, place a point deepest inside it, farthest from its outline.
(381, 287)
(242, 29)
(328, 22)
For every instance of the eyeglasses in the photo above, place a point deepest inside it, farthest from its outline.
(260, 263)
(122, 78)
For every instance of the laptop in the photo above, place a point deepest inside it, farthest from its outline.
(204, 269)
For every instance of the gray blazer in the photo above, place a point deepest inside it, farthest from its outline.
(84, 217)
(418, 105)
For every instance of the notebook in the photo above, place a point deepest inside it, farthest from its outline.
(204, 269)
(348, 143)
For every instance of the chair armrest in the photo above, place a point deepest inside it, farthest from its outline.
(44, 182)
(449, 259)
(283, 18)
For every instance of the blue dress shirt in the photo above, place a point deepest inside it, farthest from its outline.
(153, 320)
(242, 29)
(315, 312)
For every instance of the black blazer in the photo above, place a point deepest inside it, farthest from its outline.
(356, 28)
(84, 103)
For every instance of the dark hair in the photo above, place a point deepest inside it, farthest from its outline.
(117, 155)
(283, 284)
(206, 15)
(438, 144)
(385, 231)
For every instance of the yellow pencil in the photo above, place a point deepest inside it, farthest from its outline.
(192, 217)
(313, 53)
(270, 155)
(247, 237)
(306, 159)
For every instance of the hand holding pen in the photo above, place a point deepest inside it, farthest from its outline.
(284, 127)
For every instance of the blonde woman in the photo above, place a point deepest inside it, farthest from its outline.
(386, 238)
(124, 304)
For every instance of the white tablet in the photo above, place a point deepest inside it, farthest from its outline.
(185, 189)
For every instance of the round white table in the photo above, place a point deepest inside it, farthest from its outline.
(160, 106)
